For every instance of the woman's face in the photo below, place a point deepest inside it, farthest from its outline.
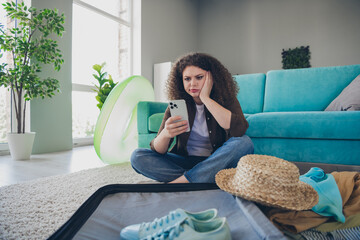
(193, 80)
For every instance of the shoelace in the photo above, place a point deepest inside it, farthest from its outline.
(169, 233)
(160, 222)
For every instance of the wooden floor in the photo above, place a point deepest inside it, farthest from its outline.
(50, 164)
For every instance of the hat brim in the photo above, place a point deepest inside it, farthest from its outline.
(302, 197)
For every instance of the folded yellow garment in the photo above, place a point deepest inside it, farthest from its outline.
(298, 221)
(351, 222)
(349, 187)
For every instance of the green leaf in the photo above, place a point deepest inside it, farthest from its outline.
(97, 67)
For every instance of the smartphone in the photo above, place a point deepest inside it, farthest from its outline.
(178, 108)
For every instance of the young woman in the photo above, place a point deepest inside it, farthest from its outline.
(216, 140)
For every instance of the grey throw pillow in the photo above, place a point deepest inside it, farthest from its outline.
(348, 99)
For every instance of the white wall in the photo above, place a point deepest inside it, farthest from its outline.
(51, 117)
(248, 36)
(168, 30)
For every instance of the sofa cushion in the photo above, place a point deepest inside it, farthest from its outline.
(251, 94)
(309, 89)
(246, 115)
(155, 122)
(349, 98)
(314, 125)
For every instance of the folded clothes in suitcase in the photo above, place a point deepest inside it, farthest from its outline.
(114, 207)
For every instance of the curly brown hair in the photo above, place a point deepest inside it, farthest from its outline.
(224, 89)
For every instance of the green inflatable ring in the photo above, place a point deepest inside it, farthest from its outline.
(116, 136)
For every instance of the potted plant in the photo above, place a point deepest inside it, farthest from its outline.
(105, 84)
(29, 44)
(298, 57)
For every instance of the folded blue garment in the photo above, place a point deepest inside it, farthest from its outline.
(330, 201)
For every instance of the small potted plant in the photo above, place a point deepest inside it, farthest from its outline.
(105, 84)
(298, 57)
(29, 44)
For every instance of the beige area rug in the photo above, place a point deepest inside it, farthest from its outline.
(36, 209)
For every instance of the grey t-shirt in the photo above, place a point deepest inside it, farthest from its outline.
(199, 143)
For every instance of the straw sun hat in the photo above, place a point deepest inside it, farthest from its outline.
(268, 180)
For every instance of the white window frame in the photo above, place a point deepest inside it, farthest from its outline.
(89, 88)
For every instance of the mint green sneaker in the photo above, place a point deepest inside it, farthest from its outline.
(139, 231)
(190, 229)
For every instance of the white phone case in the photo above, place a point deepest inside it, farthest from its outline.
(178, 108)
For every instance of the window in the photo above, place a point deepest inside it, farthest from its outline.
(5, 125)
(101, 33)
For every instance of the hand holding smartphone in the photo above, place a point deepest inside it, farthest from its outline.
(178, 108)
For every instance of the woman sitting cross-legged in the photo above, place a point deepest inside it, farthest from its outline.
(216, 140)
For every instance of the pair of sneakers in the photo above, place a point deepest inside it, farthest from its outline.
(180, 224)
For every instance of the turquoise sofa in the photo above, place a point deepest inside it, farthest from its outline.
(285, 111)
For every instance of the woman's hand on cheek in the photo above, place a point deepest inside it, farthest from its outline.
(208, 84)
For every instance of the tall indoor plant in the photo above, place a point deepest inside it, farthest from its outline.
(29, 44)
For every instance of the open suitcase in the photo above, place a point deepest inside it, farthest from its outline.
(114, 207)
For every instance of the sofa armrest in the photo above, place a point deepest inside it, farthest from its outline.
(144, 111)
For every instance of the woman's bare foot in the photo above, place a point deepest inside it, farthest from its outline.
(181, 179)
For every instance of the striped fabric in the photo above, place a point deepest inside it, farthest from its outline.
(340, 234)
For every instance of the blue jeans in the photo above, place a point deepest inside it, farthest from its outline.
(168, 167)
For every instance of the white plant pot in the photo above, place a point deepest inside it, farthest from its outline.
(21, 145)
